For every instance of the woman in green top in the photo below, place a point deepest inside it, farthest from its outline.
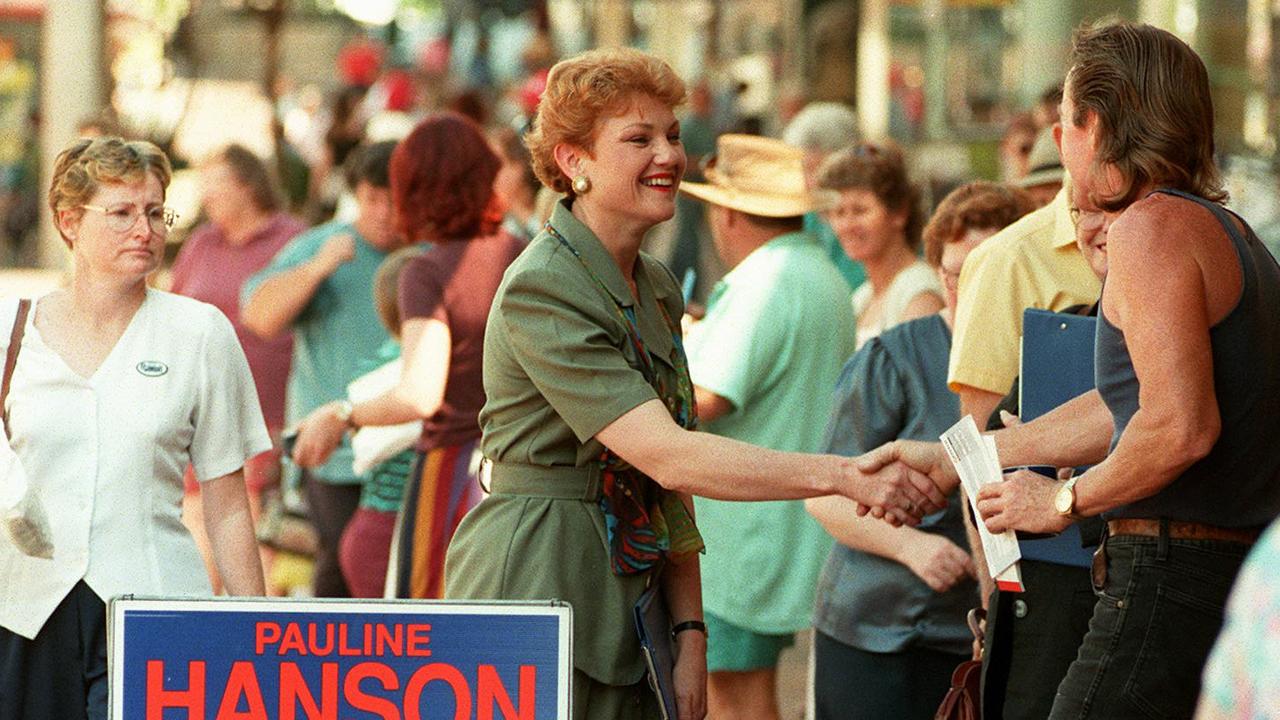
(589, 412)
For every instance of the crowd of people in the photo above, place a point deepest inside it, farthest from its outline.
(485, 389)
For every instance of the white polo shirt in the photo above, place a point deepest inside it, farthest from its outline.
(108, 453)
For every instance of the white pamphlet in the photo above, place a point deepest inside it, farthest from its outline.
(975, 459)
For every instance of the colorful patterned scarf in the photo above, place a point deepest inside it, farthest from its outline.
(646, 522)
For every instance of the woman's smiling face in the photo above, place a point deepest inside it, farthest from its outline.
(636, 162)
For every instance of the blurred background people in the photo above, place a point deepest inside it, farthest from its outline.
(891, 603)
(1044, 169)
(878, 222)
(516, 185)
(246, 228)
(318, 288)
(819, 129)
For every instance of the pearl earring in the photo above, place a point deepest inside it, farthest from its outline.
(581, 185)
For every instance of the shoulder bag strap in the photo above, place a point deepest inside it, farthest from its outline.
(11, 358)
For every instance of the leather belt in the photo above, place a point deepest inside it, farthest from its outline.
(559, 482)
(1182, 530)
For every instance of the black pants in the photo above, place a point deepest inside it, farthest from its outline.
(1156, 618)
(853, 684)
(1032, 638)
(61, 674)
(331, 507)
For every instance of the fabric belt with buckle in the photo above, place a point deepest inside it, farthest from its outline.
(1182, 530)
(560, 482)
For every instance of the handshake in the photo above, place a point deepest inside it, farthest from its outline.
(904, 480)
(900, 481)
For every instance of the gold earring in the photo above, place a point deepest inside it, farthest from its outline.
(581, 185)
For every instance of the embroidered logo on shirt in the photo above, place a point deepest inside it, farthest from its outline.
(152, 368)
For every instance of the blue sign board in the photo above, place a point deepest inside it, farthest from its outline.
(264, 659)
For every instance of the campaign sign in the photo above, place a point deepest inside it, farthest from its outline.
(262, 659)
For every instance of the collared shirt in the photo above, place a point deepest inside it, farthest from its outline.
(337, 337)
(108, 452)
(559, 368)
(1033, 263)
(779, 326)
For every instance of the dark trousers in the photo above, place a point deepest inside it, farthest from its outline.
(853, 684)
(331, 507)
(1156, 618)
(1032, 638)
(61, 674)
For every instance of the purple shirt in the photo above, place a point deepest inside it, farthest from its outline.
(210, 269)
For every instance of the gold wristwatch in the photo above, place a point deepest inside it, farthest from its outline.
(342, 409)
(1064, 502)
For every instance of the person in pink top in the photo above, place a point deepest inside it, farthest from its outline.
(246, 228)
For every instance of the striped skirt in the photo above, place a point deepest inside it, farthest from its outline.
(444, 486)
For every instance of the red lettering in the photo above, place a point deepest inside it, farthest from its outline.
(437, 671)
(292, 641)
(359, 700)
(158, 698)
(294, 690)
(242, 681)
(419, 638)
(391, 639)
(316, 648)
(491, 691)
(265, 633)
(343, 648)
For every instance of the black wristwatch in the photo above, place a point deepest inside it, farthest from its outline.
(688, 625)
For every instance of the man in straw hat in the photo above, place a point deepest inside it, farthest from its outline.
(777, 331)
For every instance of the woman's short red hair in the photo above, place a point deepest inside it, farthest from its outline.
(587, 88)
(442, 181)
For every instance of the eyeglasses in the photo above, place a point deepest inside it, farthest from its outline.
(123, 217)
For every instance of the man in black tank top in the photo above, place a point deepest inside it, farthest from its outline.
(1188, 383)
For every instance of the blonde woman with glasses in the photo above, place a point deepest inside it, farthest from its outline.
(115, 389)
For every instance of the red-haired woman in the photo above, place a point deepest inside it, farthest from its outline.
(442, 186)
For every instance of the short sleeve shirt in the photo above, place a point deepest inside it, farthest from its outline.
(455, 283)
(779, 326)
(1033, 263)
(108, 453)
(894, 387)
(336, 338)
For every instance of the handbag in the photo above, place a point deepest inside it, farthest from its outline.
(285, 526)
(964, 699)
(24, 518)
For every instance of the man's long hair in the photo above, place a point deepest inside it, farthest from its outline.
(1150, 92)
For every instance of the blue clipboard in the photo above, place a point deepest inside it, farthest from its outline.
(653, 625)
(1057, 366)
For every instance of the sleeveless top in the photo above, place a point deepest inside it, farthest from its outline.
(1238, 483)
(914, 280)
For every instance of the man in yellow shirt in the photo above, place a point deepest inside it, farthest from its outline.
(1032, 637)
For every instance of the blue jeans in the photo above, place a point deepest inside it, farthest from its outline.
(1159, 611)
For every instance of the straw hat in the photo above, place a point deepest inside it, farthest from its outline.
(759, 176)
(1045, 162)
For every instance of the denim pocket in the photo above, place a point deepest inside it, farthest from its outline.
(1183, 626)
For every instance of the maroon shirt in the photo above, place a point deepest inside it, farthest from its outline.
(454, 283)
(210, 269)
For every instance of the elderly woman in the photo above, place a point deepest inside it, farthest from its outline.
(116, 389)
(246, 228)
(890, 615)
(878, 222)
(442, 178)
(587, 427)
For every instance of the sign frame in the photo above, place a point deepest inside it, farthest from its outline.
(121, 608)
